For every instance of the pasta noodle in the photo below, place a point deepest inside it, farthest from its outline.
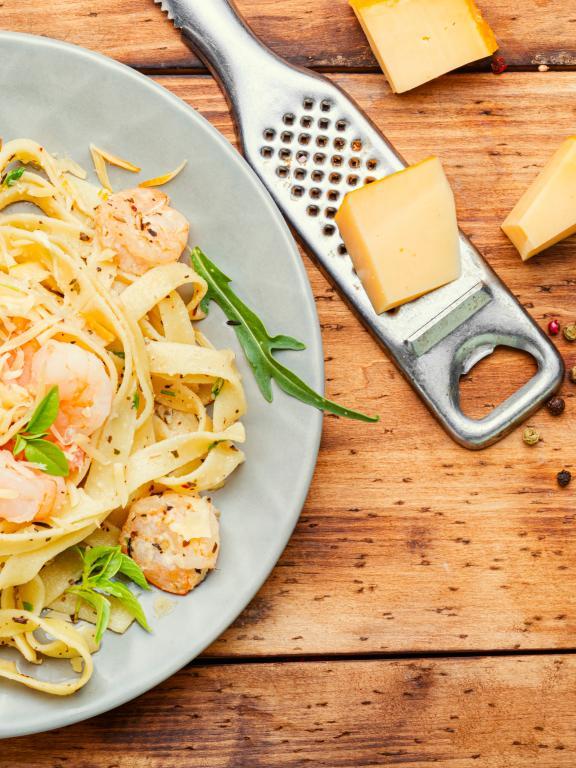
(108, 318)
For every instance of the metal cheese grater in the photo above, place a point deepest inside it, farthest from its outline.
(310, 144)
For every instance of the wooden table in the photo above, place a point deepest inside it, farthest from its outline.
(425, 609)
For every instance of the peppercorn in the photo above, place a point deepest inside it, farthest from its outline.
(531, 436)
(563, 478)
(553, 327)
(556, 406)
(572, 375)
(499, 65)
(570, 332)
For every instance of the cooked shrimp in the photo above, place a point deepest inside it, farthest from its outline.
(173, 538)
(84, 386)
(26, 493)
(142, 229)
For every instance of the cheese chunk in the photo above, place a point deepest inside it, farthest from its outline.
(418, 40)
(402, 234)
(546, 213)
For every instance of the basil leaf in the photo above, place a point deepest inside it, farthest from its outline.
(107, 567)
(45, 414)
(12, 176)
(258, 345)
(128, 599)
(48, 456)
(100, 604)
(132, 571)
(19, 445)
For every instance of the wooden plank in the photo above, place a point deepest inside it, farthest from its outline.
(321, 34)
(407, 541)
(462, 713)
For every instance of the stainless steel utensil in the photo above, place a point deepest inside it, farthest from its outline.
(310, 144)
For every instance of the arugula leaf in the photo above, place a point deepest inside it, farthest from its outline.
(258, 345)
(100, 604)
(100, 565)
(12, 176)
(48, 456)
(45, 414)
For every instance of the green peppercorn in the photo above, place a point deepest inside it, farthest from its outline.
(556, 406)
(572, 375)
(569, 332)
(531, 436)
(563, 478)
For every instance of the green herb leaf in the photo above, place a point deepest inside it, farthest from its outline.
(217, 388)
(19, 445)
(45, 414)
(258, 345)
(129, 601)
(167, 392)
(12, 176)
(132, 571)
(48, 456)
(136, 400)
(27, 606)
(121, 355)
(100, 604)
(101, 564)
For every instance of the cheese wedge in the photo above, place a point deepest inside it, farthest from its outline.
(418, 40)
(402, 235)
(546, 213)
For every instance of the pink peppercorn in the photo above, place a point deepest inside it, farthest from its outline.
(499, 65)
(553, 327)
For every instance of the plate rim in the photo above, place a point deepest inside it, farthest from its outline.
(57, 719)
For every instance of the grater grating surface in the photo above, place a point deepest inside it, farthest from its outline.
(311, 144)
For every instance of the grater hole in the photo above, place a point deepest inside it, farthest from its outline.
(325, 105)
(335, 178)
(329, 230)
(284, 154)
(315, 193)
(306, 121)
(319, 158)
(289, 118)
(308, 103)
(330, 212)
(287, 137)
(352, 180)
(304, 138)
(297, 191)
(323, 123)
(369, 180)
(322, 141)
(371, 164)
(300, 174)
(282, 171)
(339, 143)
(342, 249)
(302, 156)
(337, 160)
(356, 145)
(317, 175)
(312, 210)
(267, 152)
(354, 162)
(333, 195)
(269, 134)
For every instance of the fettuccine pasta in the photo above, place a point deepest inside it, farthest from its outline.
(96, 306)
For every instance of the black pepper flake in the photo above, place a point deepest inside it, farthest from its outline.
(116, 452)
(233, 322)
(84, 237)
(158, 547)
(175, 454)
(20, 620)
(152, 233)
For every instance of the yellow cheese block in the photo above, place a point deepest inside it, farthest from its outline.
(546, 213)
(402, 234)
(418, 40)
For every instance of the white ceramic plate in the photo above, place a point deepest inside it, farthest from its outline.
(66, 97)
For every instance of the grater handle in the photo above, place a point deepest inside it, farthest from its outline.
(229, 48)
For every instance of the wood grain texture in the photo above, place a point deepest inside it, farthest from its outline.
(461, 713)
(408, 542)
(321, 34)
